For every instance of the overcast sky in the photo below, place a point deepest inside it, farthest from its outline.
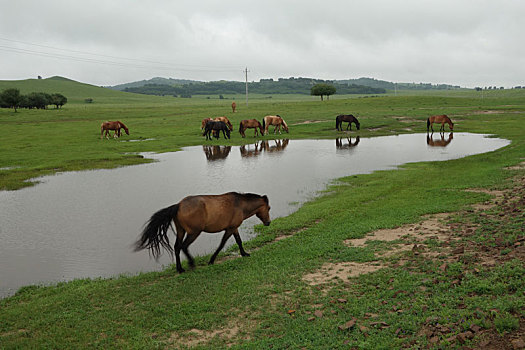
(108, 42)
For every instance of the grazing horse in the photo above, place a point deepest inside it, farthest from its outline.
(116, 126)
(203, 123)
(215, 127)
(440, 119)
(250, 123)
(225, 120)
(276, 121)
(349, 118)
(234, 105)
(195, 214)
(439, 143)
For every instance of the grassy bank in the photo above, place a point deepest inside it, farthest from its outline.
(460, 285)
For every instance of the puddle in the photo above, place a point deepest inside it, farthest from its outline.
(83, 224)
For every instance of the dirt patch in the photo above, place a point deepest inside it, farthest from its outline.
(234, 331)
(342, 271)
(311, 122)
(520, 166)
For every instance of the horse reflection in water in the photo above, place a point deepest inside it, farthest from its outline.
(195, 214)
(216, 152)
(439, 142)
(248, 151)
(278, 146)
(339, 143)
(263, 146)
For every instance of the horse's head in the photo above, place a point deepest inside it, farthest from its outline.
(451, 126)
(263, 212)
(357, 125)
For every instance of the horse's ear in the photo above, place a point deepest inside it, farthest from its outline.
(265, 197)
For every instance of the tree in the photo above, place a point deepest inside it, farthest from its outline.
(11, 98)
(322, 90)
(58, 100)
(38, 100)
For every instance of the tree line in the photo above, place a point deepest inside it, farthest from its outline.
(264, 86)
(12, 98)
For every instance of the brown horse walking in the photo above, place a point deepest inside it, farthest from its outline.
(115, 126)
(234, 105)
(440, 119)
(250, 123)
(276, 121)
(195, 214)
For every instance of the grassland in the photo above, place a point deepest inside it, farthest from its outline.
(460, 286)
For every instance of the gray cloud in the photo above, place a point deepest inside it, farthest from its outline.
(468, 43)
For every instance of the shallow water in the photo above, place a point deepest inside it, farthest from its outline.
(83, 224)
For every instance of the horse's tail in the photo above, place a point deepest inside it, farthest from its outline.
(428, 123)
(264, 123)
(155, 233)
(240, 127)
(337, 122)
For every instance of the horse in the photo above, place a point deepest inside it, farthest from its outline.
(225, 120)
(440, 119)
(216, 127)
(349, 118)
(439, 143)
(203, 123)
(250, 123)
(234, 105)
(195, 214)
(275, 120)
(116, 126)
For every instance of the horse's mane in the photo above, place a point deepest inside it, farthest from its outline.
(251, 196)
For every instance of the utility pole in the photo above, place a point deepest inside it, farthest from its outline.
(246, 75)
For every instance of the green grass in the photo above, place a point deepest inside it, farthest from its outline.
(264, 295)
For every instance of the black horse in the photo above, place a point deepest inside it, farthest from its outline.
(216, 127)
(346, 118)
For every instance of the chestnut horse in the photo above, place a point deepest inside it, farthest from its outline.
(203, 123)
(276, 121)
(116, 126)
(195, 214)
(349, 118)
(234, 105)
(250, 123)
(440, 119)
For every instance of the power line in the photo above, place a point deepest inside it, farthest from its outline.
(140, 62)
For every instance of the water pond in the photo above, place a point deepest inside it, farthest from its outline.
(83, 224)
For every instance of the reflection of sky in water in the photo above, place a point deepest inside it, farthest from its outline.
(82, 224)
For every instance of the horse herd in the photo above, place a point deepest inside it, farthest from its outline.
(224, 212)
(213, 126)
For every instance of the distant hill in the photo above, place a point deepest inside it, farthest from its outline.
(156, 81)
(264, 86)
(73, 90)
(401, 86)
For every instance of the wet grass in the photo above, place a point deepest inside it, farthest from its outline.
(262, 301)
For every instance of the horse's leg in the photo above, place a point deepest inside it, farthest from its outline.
(190, 237)
(227, 235)
(239, 242)
(178, 246)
